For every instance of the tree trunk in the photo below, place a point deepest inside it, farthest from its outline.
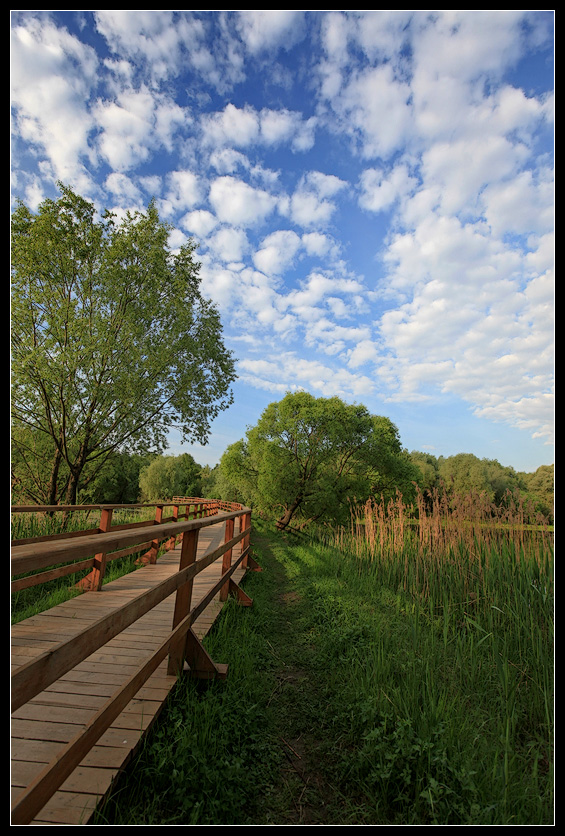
(52, 491)
(282, 523)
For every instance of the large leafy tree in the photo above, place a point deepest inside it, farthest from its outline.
(310, 458)
(112, 343)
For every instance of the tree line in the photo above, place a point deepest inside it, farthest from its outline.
(263, 479)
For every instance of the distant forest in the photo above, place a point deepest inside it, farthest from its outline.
(130, 478)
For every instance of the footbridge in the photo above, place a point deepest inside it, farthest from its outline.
(91, 675)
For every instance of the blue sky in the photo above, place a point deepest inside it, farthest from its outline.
(371, 191)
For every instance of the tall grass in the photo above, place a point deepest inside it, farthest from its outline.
(475, 583)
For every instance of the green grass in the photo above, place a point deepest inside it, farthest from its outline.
(364, 689)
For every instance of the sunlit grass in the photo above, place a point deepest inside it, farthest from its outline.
(470, 686)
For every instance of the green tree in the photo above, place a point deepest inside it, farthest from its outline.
(427, 465)
(539, 487)
(112, 342)
(309, 458)
(117, 481)
(168, 476)
(209, 479)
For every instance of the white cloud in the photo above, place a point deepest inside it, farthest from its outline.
(228, 160)
(159, 42)
(277, 252)
(199, 221)
(476, 324)
(289, 372)
(237, 203)
(374, 108)
(51, 84)
(219, 282)
(456, 44)
(364, 352)
(307, 209)
(459, 170)
(133, 125)
(183, 191)
(228, 244)
(316, 243)
(520, 205)
(232, 126)
(380, 191)
(307, 301)
(309, 206)
(285, 126)
(269, 29)
(244, 127)
(122, 186)
(151, 184)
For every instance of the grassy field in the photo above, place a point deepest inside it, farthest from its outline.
(390, 675)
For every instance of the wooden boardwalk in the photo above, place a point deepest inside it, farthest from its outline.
(51, 719)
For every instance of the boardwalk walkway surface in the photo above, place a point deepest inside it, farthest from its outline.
(52, 718)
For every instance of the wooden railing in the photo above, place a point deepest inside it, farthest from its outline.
(195, 508)
(91, 549)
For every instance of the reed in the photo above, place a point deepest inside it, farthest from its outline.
(475, 582)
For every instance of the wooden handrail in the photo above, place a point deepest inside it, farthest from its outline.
(31, 556)
(32, 678)
(50, 549)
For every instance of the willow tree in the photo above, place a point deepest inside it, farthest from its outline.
(311, 458)
(113, 343)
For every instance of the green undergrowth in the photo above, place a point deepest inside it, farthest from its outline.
(350, 700)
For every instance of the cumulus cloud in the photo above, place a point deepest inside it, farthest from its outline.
(200, 222)
(159, 42)
(310, 204)
(263, 30)
(51, 84)
(277, 252)
(133, 125)
(374, 108)
(380, 190)
(244, 127)
(122, 186)
(235, 202)
(183, 192)
(228, 244)
(290, 372)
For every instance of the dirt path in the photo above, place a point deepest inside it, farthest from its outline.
(304, 794)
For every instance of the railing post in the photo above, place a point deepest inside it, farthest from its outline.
(93, 581)
(154, 548)
(246, 540)
(172, 540)
(183, 598)
(226, 559)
